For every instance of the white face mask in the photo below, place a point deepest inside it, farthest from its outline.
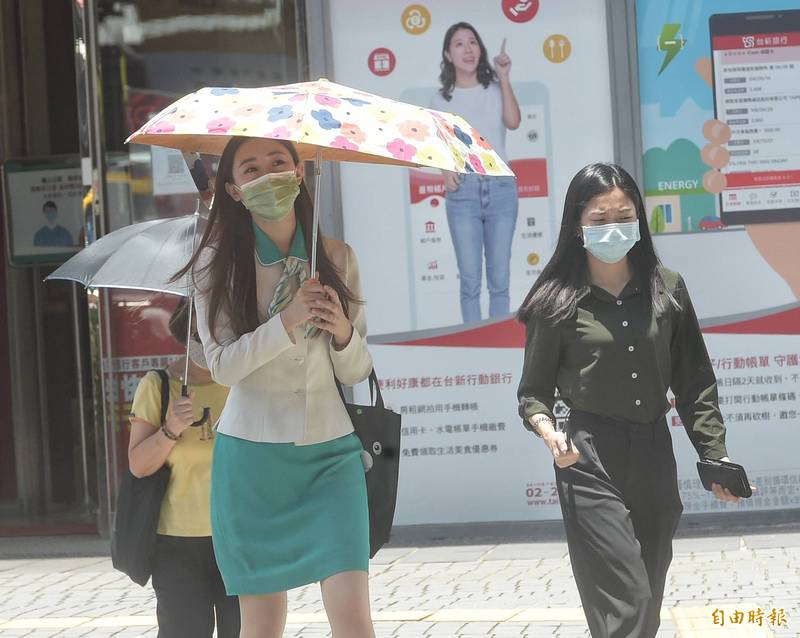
(197, 354)
(611, 242)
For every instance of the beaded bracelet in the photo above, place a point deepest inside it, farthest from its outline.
(535, 424)
(169, 434)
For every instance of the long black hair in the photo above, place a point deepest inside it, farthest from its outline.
(562, 284)
(447, 77)
(231, 269)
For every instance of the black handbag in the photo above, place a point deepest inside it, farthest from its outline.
(133, 538)
(378, 429)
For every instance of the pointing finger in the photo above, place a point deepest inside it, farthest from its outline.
(503, 47)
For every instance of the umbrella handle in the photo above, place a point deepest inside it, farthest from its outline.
(206, 411)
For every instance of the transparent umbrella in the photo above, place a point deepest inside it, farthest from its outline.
(142, 256)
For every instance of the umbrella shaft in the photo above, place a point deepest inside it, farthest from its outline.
(315, 225)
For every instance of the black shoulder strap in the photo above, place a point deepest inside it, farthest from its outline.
(164, 393)
(375, 396)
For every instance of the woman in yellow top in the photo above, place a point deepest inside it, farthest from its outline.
(188, 586)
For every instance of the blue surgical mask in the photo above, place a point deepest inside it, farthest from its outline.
(611, 242)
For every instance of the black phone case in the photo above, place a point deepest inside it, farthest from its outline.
(727, 474)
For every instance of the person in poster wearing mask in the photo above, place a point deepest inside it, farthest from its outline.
(481, 211)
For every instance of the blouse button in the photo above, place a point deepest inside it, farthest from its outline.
(638, 402)
(619, 302)
(631, 348)
(624, 324)
(634, 376)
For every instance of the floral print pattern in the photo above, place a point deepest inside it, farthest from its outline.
(340, 141)
(327, 116)
(279, 113)
(220, 125)
(353, 133)
(326, 119)
(401, 149)
(413, 130)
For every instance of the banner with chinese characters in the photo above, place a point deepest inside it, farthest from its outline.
(141, 341)
(722, 193)
(466, 456)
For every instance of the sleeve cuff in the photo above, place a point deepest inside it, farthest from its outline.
(715, 452)
(528, 407)
(351, 359)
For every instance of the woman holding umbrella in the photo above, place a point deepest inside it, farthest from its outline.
(188, 586)
(289, 502)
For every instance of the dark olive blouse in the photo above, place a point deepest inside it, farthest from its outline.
(617, 359)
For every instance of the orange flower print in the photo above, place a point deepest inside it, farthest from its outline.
(480, 140)
(413, 130)
(353, 132)
(249, 110)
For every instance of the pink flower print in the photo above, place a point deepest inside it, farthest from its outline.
(250, 109)
(220, 125)
(161, 127)
(353, 133)
(340, 141)
(327, 100)
(300, 97)
(476, 164)
(441, 121)
(280, 133)
(413, 130)
(401, 150)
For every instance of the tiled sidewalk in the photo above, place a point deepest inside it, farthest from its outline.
(453, 591)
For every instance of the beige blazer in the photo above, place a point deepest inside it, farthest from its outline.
(284, 391)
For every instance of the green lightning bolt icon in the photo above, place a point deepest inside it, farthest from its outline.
(670, 42)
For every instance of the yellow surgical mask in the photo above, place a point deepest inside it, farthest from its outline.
(271, 196)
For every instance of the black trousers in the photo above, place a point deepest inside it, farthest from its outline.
(621, 508)
(190, 595)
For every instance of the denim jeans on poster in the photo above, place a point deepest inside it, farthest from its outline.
(482, 215)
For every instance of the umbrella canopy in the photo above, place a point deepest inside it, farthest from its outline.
(141, 256)
(325, 121)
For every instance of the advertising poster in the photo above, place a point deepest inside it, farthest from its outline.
(450, 362)
(141, 341)
(45, 210)
(720, 103)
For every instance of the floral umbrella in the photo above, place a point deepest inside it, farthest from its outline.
(325, 121)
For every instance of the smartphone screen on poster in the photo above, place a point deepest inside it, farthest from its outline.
(756, 67)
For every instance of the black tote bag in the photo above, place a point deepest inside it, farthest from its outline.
(378, 429)
(133, 538)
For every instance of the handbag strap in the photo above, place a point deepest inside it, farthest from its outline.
(375, 396)
(164, 393)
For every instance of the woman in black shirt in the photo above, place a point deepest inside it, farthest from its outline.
(612, 330)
